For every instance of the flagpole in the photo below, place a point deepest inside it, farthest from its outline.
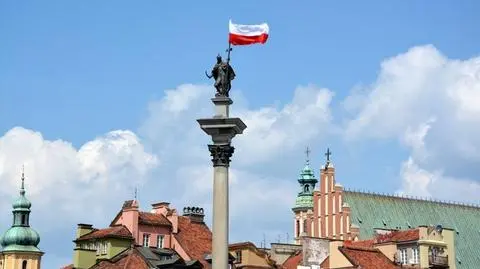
(228, 52)
(228, 61)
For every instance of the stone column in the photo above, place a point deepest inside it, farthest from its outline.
(222, 129)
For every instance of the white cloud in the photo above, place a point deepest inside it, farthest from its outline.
(273, 131)
(432, 105)
(270, 130)
(64, 181)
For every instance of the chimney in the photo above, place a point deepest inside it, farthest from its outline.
(195, 214)
(161, 208)
(83, 229)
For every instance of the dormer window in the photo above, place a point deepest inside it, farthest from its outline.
(146, 240)
(238, 256)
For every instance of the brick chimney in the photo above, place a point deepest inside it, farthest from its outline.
(161, 208)
(195, 214)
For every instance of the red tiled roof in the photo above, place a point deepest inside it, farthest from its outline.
(325, 263)
(153, 219)
(70, 266)
(367, 258)
(241, 245)
(361, 243)
(398, 236)
(119, 231)
(132, 260)
(293, 261)
(254, 267)
(195, 238)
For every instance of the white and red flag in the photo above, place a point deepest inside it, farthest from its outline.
(241, 34)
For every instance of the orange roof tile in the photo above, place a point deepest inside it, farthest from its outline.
(119, 231)
(241, 245)
(195, 238)
(133, 260)
(293, 261)
(398, 236)
(147, 218)
(361, 243)
(325, 263)
(367, 258)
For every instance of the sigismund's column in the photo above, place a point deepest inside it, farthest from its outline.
(222, 129)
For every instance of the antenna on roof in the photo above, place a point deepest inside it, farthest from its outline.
(288, 238)
(264, 241)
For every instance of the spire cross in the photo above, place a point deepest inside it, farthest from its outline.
(307, 152)
(22, 188)
(328, 153)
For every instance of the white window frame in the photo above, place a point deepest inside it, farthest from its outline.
(416, 255)
(146, 240)
(403, 256)
(104, 247)
(160, 240)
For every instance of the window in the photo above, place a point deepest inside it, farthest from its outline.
(416, 255)
(23, 220)
(238, 257)
(146, 240)
(24, 265)
(97, 247)
(160, 240)
(305, 227)
(103, 248)
(403, 256)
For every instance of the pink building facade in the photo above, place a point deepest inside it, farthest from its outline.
(325, 214)
(162, 227)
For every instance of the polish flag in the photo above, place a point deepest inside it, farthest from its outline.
(248, 34)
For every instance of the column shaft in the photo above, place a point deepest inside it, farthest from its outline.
(220, 218)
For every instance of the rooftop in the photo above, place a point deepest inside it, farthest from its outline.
(372, 210)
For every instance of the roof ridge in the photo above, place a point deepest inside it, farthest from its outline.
(371, 249)
(416, 198)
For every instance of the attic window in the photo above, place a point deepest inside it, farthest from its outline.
(409, 225)
(359, 220)
(238, 256)
(384, 222)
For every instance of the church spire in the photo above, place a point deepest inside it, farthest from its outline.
(22, 188)
(20, 237)
(307, 183)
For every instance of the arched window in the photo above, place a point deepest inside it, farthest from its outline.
(24, 221)
(24, 265)
(307, 188)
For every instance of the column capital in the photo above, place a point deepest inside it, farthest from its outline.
(221, 154)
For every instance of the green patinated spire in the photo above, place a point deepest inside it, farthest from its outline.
(307, 183)
(20, 237)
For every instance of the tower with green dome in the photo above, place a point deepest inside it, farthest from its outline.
(20, 242)
(303, 208)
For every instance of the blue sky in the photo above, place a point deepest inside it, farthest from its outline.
(76, 70)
